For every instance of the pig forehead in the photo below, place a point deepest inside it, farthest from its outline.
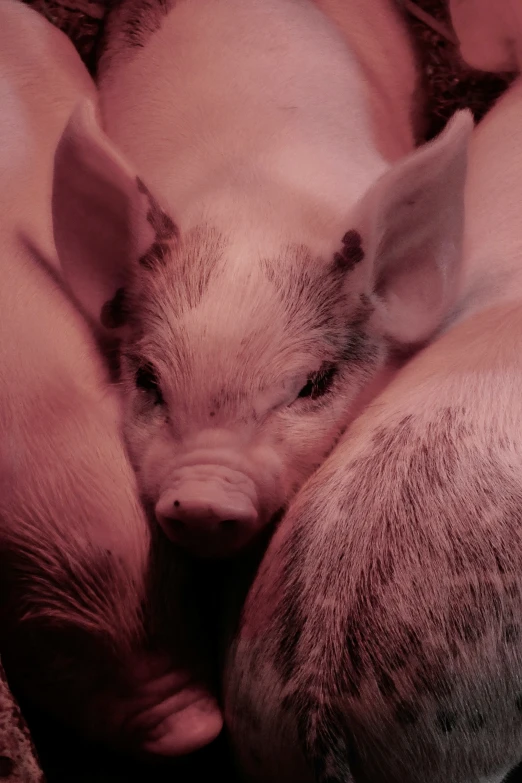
(230, 351)
(207, 274)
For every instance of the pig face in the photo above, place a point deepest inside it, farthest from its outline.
(238, 377)
(237, 381)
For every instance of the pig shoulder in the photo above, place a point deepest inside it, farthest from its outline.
(382, 628)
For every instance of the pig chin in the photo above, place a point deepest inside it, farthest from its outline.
(213, 504)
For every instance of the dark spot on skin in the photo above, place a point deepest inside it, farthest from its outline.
(156, 254)
(518, 702)
(396, 662)
(352, 686)
(6, 767)
(471, 633)
(500, 564)
(354, 652)
(352, 242)
(142, 186)
(393, 439)
(358, 348)
(176, 503)
(406, 713)
(339, 262)
(477, 722)
(351, 254)
(511, 633)
(432, 678)
(446, 721)
(140, 20)
(114, 312)
(288, 703)
(212, 413)
(386, 685)
(332, 751)
(162, 224)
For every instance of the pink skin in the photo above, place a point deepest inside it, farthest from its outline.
(168, 712)
(75, 543)
(208, 509)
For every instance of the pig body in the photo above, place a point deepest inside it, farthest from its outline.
(288, 240)
(74, 541)
(489, 33)
(380, 641)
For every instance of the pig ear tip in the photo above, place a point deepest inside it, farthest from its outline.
(464, 120)
(84, 112)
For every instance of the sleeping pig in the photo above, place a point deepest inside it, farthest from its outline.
(381, 639)
(74, 541)
(293, 239)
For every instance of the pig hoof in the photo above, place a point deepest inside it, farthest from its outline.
(185, 729)
(171, 715)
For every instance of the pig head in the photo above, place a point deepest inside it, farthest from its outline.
(239, 378)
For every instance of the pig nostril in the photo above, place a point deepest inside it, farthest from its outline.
(207, 517)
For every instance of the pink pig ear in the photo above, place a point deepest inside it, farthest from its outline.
(99, 216)
(412, 223)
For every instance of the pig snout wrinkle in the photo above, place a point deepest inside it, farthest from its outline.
(210, 517)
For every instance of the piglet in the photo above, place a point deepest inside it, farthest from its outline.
(294, 238)
(381, 641)
(74, 541)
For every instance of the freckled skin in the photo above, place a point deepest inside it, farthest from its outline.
(352, 252)
(163, 225)
(388, 646)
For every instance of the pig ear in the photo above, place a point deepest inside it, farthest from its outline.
(99, 218)
(412, 226)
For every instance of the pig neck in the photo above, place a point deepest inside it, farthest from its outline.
(492, 253)
(270, 117)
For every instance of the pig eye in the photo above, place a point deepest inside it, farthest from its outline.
(147, 381)
(319, 383)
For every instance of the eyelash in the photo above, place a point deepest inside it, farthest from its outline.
(147, 380)
(319, 383)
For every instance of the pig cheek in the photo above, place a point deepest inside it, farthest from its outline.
(309, 440)
(156, 461)
(268, 459)
(144, 431)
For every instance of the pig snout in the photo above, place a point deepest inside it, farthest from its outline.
(209, 510)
